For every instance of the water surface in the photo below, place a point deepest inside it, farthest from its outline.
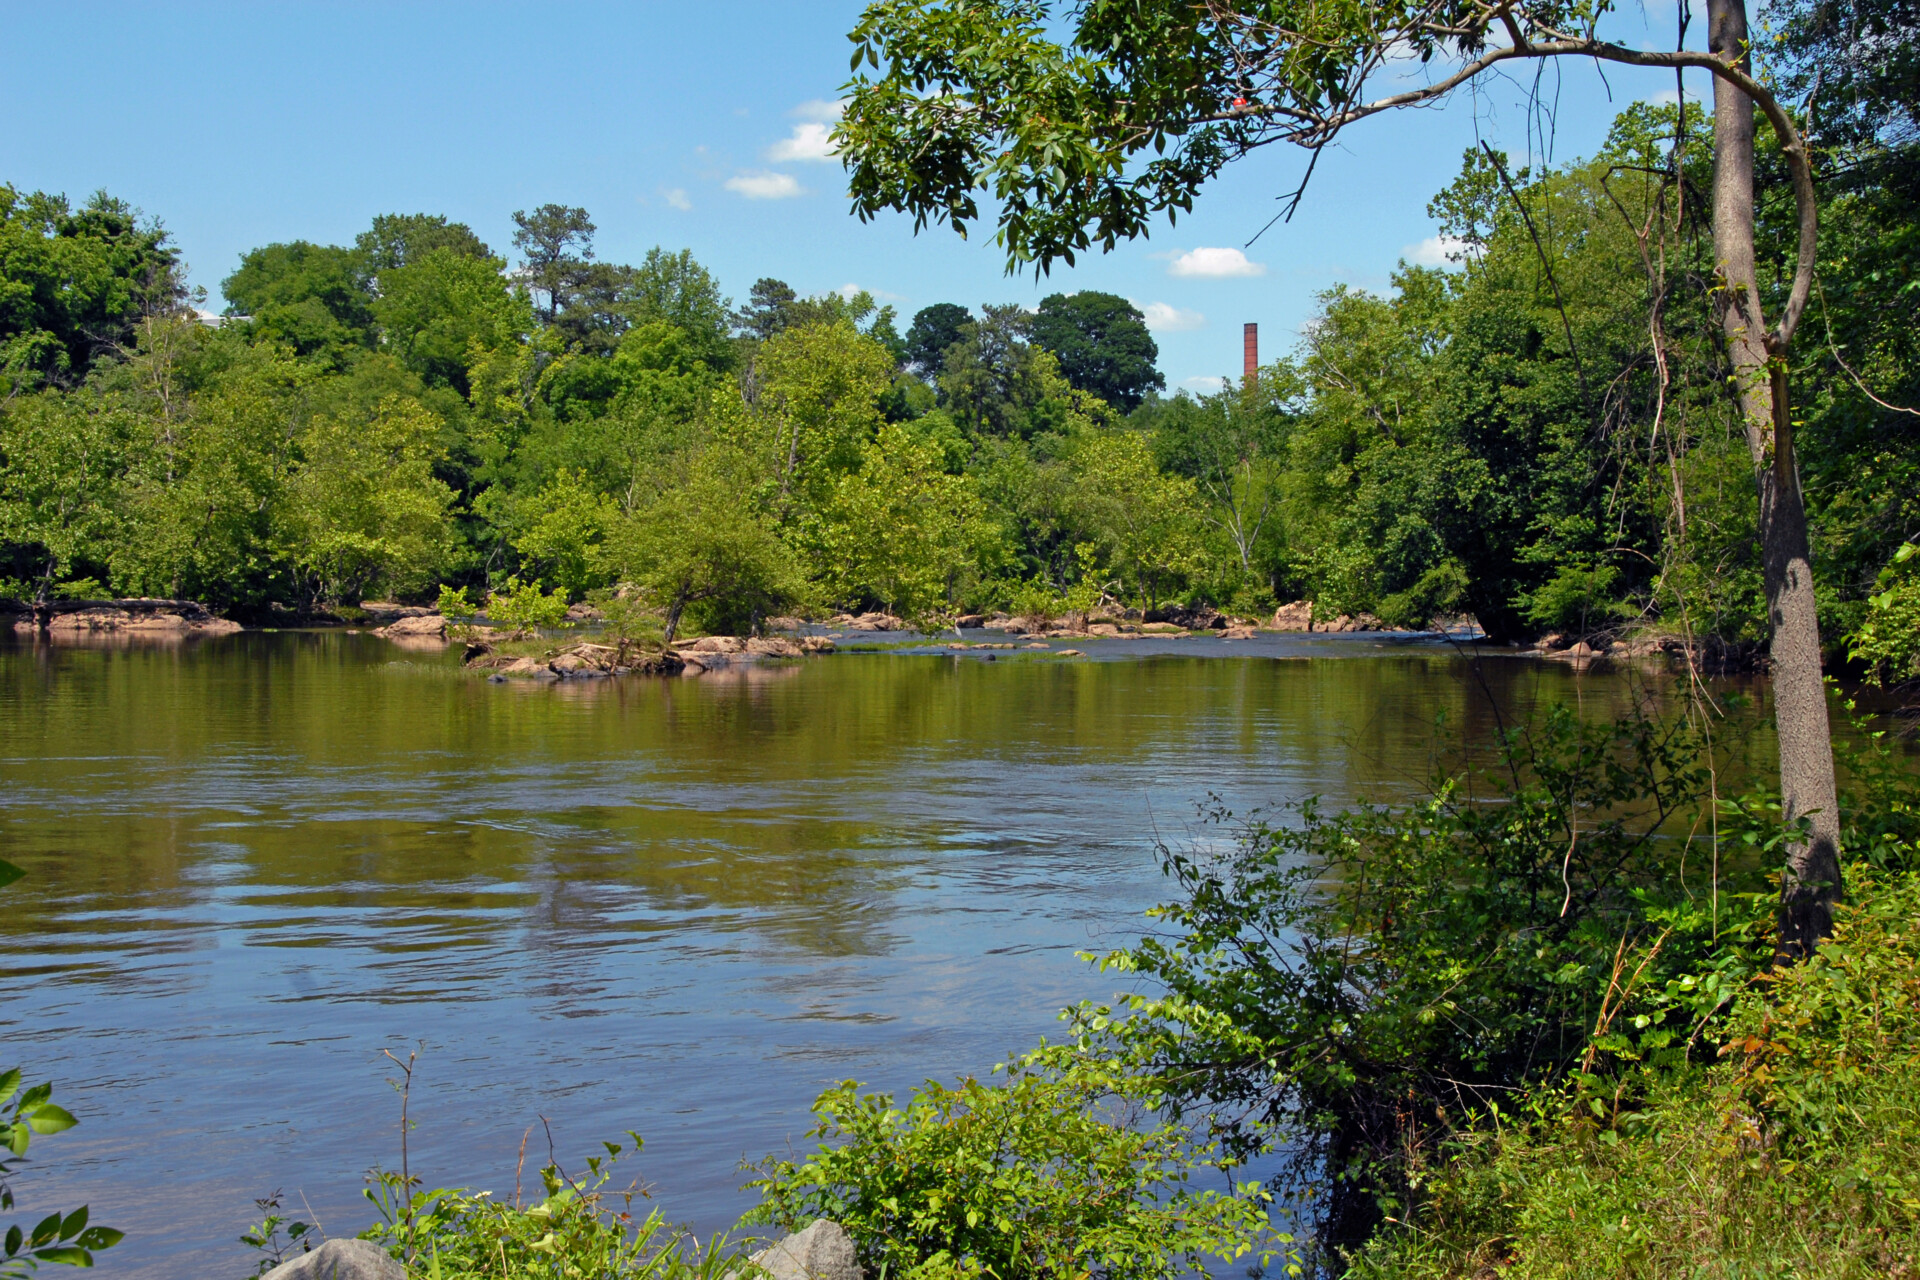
(675, 906)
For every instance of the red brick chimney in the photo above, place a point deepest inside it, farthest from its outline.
(1251, 346)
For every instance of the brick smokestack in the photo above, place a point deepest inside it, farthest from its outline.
(1251, 347)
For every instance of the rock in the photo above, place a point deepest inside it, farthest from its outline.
(1037, 644)
(349, 1260)
(1071, 653)
(424, 625)
(1297, 616)
(1238, 633)
(1162, 629)
(876, 622)
(1581, 650)
(774, 647)
(970, 621)
(1102, 629)
(583, 612)
(824, 1251)
(1553, 640)
(711, 644)
(816, 644)
(384, 611)
(139, 616)
(785, 624)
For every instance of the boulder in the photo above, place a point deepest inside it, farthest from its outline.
(816, 644)
(1162, 629)
(774, 647)
(384, 611)
(786, 623)
(1297, 616)
(424, 625)
(871, 622)
(583, 612)
(824, 1251)
(342, 1260)
(711, 644)
(1102, 629)
(969, 621)
(1238, 633)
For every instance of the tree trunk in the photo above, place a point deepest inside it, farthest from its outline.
(1810, 881)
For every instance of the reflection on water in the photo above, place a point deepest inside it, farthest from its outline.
(676, 906)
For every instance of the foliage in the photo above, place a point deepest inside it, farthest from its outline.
(1047, 1173)
(1888, 640)
(74, 283)
(934, 329)
(1102, 344)
(454, 605)
(1353, 985)
(522, 606)
(57, 1237)
(579, 1227)
(265, 1234)
(1794, 1155)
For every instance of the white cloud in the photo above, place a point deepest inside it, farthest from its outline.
(1665, 98)
(1163, 317)
(809, 141)
(1433, 251)
(1206, 386)
(677, 197)
(763, 184)
(824, 110)
(1215, 264)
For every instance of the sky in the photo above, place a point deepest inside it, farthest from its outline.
(698, 126)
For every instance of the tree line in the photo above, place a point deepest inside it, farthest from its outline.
(1508, 437)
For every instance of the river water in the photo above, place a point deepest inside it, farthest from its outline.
(677, 906)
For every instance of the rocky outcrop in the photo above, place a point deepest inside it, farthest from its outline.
(871, 622)
(824, 1251)
(1297, 616)
(161, 619)
(425, 625)
(341, 1260)
(1196, 617)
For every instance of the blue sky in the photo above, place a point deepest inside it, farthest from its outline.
(682, 125)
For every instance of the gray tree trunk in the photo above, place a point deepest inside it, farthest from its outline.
(1810, 882)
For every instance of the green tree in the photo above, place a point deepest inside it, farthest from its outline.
(74, 283)
(818, 406)
(442, 310)
(709, 544)
(566, 524)
(556, 243)
(933, 330)
(364, 508)
(1102, 344)
(901, 531)
(403, 239)
(315, 299)
(63, 465)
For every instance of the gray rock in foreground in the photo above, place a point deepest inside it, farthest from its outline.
(342, 1260)
(824, 1251)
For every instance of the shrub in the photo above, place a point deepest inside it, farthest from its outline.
(523, 607)
(1797, 1155)
(1038, 1176)
(454, 605)
(577, 1228)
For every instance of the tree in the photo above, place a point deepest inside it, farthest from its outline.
(1102, 344)
(401, 239)
(820, 387)
(706, 543)
(675, 288)
(900, 531)
(1089, 140)
(993, 378)
(364, 508)
(1230, 445)
(314, 298)
(556, 243)
(62, 468)
(934, 329)
(74, 283)
(443, 309)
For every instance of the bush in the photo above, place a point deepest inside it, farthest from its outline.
(453, 604)
(1039, 1176)
(577, 1228)
(523, 607)
(1798, 1155)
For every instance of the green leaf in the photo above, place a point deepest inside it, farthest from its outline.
(72, 1255)
(48, 1118)
(100, 1238)
(75, 1223)
(9, 873)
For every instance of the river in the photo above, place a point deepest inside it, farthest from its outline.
(677, 906)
